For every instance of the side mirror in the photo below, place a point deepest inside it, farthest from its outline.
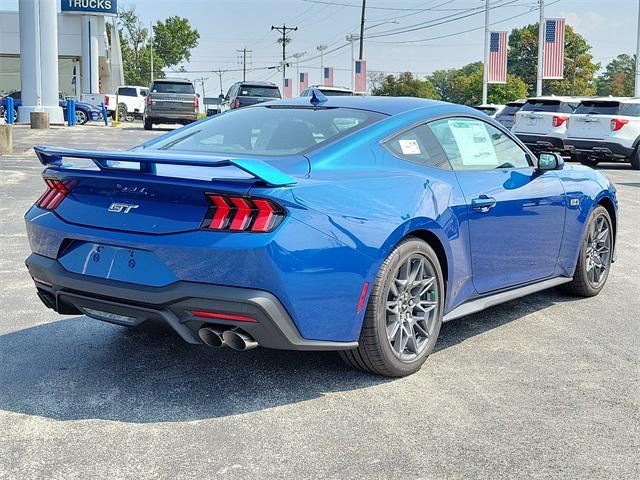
(550, 161)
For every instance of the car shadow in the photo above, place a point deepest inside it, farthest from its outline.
(80, 368)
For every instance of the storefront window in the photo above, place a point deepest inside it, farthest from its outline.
(68, 69)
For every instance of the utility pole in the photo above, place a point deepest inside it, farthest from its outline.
(364, 6)
(540, 50)
(637, 89)
(321, 49)
(151, 45)
(219, 74)
(297, 57)
(202, 80)
(351, 39)
(283, 31)
(244, 52)
(485, 75)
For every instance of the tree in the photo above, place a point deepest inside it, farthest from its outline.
(406, 85)
(173, 40)
(618, 78)
(464, 86)
(579, 69)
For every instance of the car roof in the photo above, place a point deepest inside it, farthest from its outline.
(172, 80)
(558, 98)
(257, 83)
(329, 87)
(613, 99)
(386, 105)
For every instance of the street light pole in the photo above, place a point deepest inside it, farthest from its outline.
(352, 38)
(321, 49)
(297, 57)
(540, 50)
(485, 75)
(637, 89)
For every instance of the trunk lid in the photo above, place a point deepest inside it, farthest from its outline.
(592, 119)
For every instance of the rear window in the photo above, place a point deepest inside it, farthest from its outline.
(541, 106)
(336, 93)
(172, 87)
(269, 131)
(599, 108)
(127, 92)
(510, 110)
(487, 110)
(255, 91)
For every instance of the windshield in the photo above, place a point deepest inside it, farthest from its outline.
(168, 87)
(270, 131)
(251, 91)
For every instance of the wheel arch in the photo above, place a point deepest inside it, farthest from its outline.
(608, 204)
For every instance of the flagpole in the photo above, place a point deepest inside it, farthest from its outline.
(485, 76)
(541, 33)
(637, 90)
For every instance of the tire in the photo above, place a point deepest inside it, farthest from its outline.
(376, 353)
(81, 117)
(147, 124)
(583, 283)
(635, 159)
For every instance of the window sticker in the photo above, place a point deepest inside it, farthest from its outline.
(474, 143)
(409, 147)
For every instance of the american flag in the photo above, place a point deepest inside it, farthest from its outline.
(288, 88)
(498, 57)
(327, 77)
(554, 49)
(361, 76)
(304, 82)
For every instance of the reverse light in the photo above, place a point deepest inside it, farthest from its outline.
(55, 193)
(223, 316)
(559, 120)
(618, 123)
(242, 214)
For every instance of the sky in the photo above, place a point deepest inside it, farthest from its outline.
(226, 26)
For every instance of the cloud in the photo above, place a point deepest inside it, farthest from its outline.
(586, 23)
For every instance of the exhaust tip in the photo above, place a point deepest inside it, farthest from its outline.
(211, 336)
(238, 340)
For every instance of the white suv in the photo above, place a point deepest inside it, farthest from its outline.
(605, 129)
(541, 123)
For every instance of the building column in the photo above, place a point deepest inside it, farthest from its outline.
(90, 52)
(39, 60)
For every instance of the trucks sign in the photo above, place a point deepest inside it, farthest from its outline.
(90, 7)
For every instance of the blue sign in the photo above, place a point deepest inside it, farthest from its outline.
(90, 7)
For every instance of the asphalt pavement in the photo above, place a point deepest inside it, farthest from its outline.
(542, 387)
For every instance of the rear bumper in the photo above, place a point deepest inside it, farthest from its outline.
(539, 143)
(131, 304)
(169, 117)
(599, 149)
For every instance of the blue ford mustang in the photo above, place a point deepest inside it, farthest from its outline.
(356, 224)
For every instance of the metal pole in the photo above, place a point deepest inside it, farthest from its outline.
(151, 45)
(321, 49)
(485, 75)
(637, 89)
(364, 6)
(351, 39)
(244, 64)
(541, 26)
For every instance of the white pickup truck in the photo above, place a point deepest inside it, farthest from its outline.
(131, 99)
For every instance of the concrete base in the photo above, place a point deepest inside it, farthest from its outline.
(39, 120)
(6, 138)
(56, 116)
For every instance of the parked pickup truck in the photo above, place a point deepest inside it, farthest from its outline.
(131, 100)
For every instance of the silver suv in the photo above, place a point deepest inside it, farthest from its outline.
(171, 100)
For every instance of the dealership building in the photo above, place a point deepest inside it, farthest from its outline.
(51, 46)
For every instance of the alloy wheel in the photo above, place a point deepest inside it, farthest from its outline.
(412, 307)
(598, 253)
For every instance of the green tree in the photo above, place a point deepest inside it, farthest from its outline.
(406, 85)
(173, 40)
(618, 78)
(579, 68)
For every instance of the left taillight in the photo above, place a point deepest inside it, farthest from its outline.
(55, 193)
(234, 213)
(559, 120)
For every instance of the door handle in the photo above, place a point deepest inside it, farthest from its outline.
(483, 203)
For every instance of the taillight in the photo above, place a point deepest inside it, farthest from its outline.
(242, 214)
(236, 103)
(55, 193)
(106, 100)
(618, 123)
(195, 103)
(558, 120)
(149, 99)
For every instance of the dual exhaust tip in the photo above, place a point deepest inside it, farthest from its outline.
(218, 337)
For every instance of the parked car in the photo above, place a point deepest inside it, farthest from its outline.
(243, 94)
(605, 129)
(212, 105)
(490, 109)
(541, 123)
(171, 100)
(327, 91)
(132, 100)
(508, 113)
(287, 227)
(84, 111)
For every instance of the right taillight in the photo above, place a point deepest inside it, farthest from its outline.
(236, 103)
(149, 99)
(55, 193)
(618, 123)
(236, 213)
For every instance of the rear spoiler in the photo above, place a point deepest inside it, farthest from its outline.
(261, 170)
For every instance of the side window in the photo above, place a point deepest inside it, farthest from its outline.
(475, 145)
(418, 145)
(228, 96)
